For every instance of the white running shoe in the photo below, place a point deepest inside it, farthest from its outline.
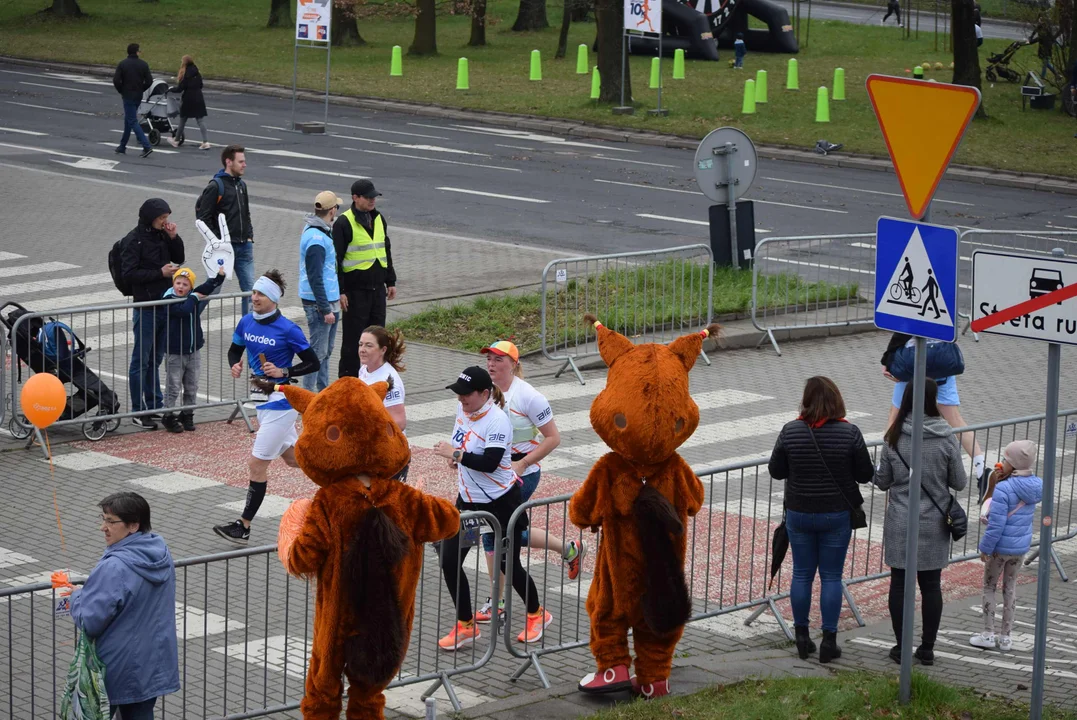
(1005, 644)
(984, 640)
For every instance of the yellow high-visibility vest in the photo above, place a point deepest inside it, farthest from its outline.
(364, 250)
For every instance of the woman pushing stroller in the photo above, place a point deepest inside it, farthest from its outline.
(193, 104)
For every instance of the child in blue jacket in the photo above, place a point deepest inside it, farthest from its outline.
(181, 324)
(739, 51)
(1010, 508)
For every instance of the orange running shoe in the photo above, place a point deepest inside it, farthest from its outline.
(462, 635)
(573, 558)
(536, 624)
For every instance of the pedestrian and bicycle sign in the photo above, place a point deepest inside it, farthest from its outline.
(1024, 296)
(916, 279)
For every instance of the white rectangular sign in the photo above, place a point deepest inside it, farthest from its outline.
(1003, 280)
(643, 16)
(312, 20)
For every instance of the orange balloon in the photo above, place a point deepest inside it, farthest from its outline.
(43, 399)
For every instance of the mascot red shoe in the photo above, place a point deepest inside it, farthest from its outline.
(361, 538)
(640, 496)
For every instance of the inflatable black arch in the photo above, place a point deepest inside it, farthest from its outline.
(701, 29)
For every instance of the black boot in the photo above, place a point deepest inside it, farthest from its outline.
(171, 423)
(925, 654)
(829, 649)
(895, 654)
(187, 420)
(805, 646)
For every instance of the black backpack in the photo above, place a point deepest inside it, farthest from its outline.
(115, 268)
(220, 194)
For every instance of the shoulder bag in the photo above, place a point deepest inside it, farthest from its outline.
(857, 517)
(957, 522)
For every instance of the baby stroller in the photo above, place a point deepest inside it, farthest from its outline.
(45, 345)
(998, 64)
(157, 110)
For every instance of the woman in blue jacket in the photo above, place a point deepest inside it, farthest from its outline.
(1008, 536)
(128, 607)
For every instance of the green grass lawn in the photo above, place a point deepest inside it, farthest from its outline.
(642, 299)
(229, 40)
(845, 696)
(995, 9)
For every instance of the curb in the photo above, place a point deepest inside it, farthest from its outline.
(964, 173)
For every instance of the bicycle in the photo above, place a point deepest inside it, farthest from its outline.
(897, 292)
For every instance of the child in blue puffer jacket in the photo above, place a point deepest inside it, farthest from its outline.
(1010, 508)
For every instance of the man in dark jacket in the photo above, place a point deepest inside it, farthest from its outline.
(150, 254)
(132, 78)
(226, 194)
(365, 270)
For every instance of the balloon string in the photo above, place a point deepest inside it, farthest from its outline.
(55, 498)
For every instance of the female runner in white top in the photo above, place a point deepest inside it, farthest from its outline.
(381, 354)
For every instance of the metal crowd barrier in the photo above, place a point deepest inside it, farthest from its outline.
(97, 370)
(728, 558)
(652, 295)
(5, 399)
(244, 628)
(812, 281)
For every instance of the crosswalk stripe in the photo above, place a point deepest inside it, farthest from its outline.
(5, 256)
(19, 270)
(173, 483)
(10, 558)
(272, 506)
(200, 623)
(446, 409)
(7, 291)
(124, 338)
(83, 461)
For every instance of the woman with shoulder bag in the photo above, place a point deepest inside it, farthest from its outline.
(822, 457)
(941, 471)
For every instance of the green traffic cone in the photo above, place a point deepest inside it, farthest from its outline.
(596, 83)
(748, 108)
(918, 72)
(656, 77)
(581, 60)
(839, 83)
(822, 106)
(792, 75)
(760, 87)
(396, 67)
(678, 64)
(461, 75)
(536, 65)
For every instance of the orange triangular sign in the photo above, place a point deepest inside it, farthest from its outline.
(922, 123)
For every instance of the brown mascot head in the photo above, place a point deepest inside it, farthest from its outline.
(347, 432)
(646, 412)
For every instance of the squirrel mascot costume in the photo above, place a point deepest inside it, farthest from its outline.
(640, 495)
(361, 538)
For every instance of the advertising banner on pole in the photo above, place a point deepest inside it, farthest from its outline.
(312, 20)
(643, 16)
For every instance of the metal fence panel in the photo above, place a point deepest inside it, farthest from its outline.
(649, 296)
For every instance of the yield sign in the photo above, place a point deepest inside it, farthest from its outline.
(922, 123)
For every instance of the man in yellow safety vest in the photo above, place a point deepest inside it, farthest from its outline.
(365, 271)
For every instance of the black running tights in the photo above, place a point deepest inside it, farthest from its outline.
(930, 582)
(452, 567)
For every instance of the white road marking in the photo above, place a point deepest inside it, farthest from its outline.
(10, 558)
(110, 297)
(494, 195)
(522, 135)
(649, 187)
(872, 192)
(673, 219)
(89, 163)
(800, 207)
(320, 172)
(437, 160)
(35, 269)
(989, 659)
(280, 653)
(11, 256)
(173, 483)
(634, 162)
(156, 149)
(45, 151)
(292, 154)
(518, 147)
(272, 506)
(820, 265)
(46, 107)
(22, 132)
(83, 461)
(236, 112)
(239, 134)
(405, 146)
(561, 391)
(386, 132)
(61, 87)
(200, 624)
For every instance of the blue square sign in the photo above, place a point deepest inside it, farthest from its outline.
(916, 278)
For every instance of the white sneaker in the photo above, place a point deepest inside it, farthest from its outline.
(984, 640)
(1005, 644)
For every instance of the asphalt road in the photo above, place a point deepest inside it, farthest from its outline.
(873, 15)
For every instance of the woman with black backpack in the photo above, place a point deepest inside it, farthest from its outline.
(941, 471)
(193, 104)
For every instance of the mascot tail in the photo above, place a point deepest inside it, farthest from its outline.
(376, 649)
(666, 605)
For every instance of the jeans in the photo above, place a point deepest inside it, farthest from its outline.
(244, 269)
(134, 711)
(130, 123)
(819, 541)
(144, 375)
(321, 338)
(930, 582)
(181, 379)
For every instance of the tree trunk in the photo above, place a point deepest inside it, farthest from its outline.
(478, 24)
(532, 16)
(566, 23)
(609, 17)
(425, 41)
(581, 11)
(279, 11)
(345, 21)
(966, 54)
(64, 8)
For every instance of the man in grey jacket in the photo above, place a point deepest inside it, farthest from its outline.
(131, 79)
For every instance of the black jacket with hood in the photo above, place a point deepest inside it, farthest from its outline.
(132, 77)
(230, 198)
(145, 251)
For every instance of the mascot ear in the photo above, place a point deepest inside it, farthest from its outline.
(611, 344)
(298, 398)
(688, 347)
(382, 388)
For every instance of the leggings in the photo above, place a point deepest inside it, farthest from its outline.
(930, 582)
(201, 126)
(452, 557)
(1004, 567)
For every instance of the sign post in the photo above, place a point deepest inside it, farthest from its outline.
(641, 17)
(1043, 309)
(313, 23)
(925, 254)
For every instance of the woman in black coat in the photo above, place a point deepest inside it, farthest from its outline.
(193, 105)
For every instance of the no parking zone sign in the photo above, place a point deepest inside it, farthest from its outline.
(643, 16)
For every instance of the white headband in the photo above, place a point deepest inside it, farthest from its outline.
(268, 288)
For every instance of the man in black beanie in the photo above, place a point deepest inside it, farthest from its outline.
(132, 78)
